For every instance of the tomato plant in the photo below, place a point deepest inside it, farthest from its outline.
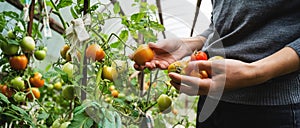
(9, 49)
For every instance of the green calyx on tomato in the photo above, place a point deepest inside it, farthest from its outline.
(164, 103)
(40, 54)
(19, 97)
(68, 92)
(27, 44)
(18, 83)
(18, 62)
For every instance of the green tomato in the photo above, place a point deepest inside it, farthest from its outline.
(19, 97)
(68, 68)
(50, 87)
(40, 54)
(18, 83)
(9, 49)
(69, 92)
(56, 123)
(11, 35)
(27, 44)
(65, 124)
(58, 85)
(164, 103)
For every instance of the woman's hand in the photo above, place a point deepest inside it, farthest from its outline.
(168, 51)
(226, 74)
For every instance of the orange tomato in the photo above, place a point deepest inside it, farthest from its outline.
(115, 93)
(35, 92)
(95, 52)
(37, 80)
(18, 62)
(143, 54)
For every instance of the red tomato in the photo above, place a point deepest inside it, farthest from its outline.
(198, 55)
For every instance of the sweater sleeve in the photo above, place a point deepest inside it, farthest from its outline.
(295, 45)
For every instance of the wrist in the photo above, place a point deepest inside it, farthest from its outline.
(258, 73)
(192, 44)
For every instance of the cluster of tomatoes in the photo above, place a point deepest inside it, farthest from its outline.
(18, 51)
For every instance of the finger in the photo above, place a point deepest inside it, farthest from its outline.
(151, 65)
(184, 89)
(199, 66)
(162, 64)
(195, 82)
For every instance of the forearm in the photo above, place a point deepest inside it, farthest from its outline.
(280, 63)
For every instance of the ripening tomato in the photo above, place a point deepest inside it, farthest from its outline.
(18, 62)
(64, 52)
(27, 44)
(142, 55)
(109, 73)
(178, 67)
(8, 92)
(164, 103)
(111, 88)
(95, 52)
(37, 80)
(202, 74)
(35, 92)
(57, 85)
(115, 93)
(198, 55)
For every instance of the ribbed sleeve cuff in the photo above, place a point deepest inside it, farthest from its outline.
(295, 45)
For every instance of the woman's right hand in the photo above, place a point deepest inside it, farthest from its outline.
(168, 51)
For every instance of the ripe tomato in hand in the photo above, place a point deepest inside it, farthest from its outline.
(35, 92)
(37, 80)
(18, 62)
(142, 55)
(95, 52)
(198, 55)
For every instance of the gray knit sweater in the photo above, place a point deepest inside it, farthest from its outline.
(249, 30)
